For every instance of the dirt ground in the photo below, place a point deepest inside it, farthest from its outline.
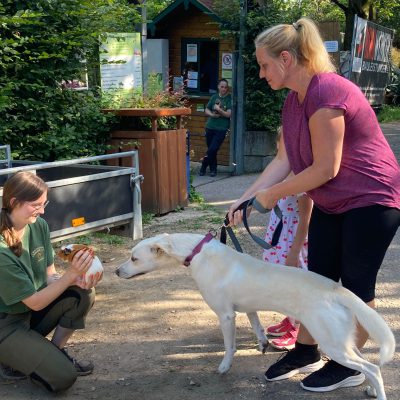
(154, 337)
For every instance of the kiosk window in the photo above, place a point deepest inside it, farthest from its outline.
(200, 65)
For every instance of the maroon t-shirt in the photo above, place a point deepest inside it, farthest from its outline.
(369, 173)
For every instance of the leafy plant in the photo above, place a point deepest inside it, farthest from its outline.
(155, 97)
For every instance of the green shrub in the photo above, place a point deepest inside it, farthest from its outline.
(262, 104)
(44, 44)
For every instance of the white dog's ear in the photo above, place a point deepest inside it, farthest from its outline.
(156, 250)
(162, 246)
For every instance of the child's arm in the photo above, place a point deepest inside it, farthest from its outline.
(305, 208)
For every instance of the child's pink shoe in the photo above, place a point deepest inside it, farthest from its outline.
(287, 341)
(280, 329)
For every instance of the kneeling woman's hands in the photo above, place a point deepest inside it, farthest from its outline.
(80, 264)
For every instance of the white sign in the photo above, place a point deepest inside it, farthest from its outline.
(331, 46)
(191, 52)
(121, 62)
(192, 83)
(227, 61)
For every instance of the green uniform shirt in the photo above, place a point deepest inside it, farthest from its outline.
(221, 123)
(21, 277)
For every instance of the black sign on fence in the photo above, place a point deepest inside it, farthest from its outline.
(370, 58)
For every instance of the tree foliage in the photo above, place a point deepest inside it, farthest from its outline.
(262, 104)
(44, 43)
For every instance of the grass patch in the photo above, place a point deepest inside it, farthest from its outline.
(217, 220)
(84, 239)
(204, 207)
(389, 113)
(147, 218)
(108, 238)
(91, 238)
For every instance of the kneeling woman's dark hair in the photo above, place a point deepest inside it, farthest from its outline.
(21, 187)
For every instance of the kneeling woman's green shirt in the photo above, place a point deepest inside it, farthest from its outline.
(21, 277)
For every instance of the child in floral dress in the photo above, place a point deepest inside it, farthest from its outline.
(290, 250)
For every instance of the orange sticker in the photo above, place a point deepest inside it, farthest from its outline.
(78, 221)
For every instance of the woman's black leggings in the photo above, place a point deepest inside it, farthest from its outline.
(351, 246)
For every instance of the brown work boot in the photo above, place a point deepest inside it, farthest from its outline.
(11, 374)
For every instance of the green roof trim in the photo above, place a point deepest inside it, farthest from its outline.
(163, 14)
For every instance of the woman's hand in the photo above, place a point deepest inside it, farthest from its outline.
(293, 258)
(235, 217)
(91, 282)
(79, 264)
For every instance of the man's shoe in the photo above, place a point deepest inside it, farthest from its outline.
(280, 329)
(287, 341)
(11, 374)
(213, 173)
(202, 171)
(332, 376)
(296, 361)
(82, 367)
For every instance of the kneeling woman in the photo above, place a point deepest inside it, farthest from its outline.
(34, 299)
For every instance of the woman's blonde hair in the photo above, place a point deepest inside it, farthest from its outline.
(302, 39)
(23, 186)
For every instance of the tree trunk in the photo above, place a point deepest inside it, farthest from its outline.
(364, 9)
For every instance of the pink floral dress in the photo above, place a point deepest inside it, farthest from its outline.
(290, 218)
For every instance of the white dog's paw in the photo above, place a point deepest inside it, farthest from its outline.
(371, 392)
(224, 367)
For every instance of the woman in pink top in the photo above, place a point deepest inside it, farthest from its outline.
(334, 145)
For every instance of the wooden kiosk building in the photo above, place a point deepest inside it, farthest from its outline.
(198, 58)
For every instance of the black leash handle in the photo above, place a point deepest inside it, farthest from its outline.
(253, 202)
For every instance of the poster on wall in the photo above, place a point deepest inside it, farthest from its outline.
(191, 52)
(121, 65)
(370, 58)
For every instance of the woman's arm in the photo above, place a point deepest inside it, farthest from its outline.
(327, 133)
(276, 171)
(305, 209)
(211, 114)
(226, 114)
(79, 265)
(52, 274)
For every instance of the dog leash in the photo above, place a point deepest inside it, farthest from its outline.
(253, 202)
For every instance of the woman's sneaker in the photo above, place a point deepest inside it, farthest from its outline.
(301, 360)
(82, 367)
(287, 341)
(332, 376)
(280, 329)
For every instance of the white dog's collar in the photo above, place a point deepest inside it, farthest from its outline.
(198, 248)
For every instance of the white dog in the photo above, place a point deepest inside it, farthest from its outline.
(230, 281)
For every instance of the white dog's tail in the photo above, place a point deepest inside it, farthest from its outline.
(372, 322)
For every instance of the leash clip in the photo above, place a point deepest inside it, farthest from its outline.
(213, 232)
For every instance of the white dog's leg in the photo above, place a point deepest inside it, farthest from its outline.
(228, 327)
(259, 331)
(353, 359)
